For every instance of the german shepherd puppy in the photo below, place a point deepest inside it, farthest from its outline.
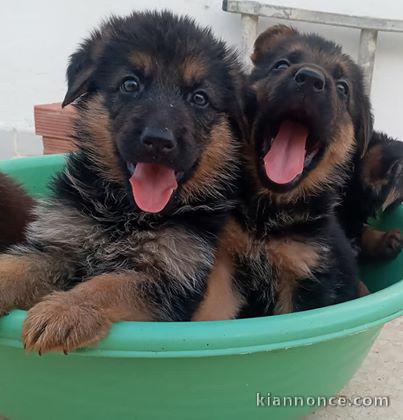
(376, 185)
(15, 212)
(309, 117)
(131, 230)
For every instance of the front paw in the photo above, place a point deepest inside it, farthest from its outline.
(57, 324)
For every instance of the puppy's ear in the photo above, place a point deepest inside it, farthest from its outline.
(363, 126)
(82, 66)
(268, 39)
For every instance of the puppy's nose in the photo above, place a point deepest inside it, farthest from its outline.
(308, 77)
(158, 140)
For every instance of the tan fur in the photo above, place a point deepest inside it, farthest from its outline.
(297, 258)
(193, 70)
(362, 289)
(393, 195)
(341, 149)
(235, 239)
(95, 120)
(286, 285)
(378, 244)
(292, 258)
(221, 301)
(294, 261)
(372, 240)
(64, 321)
(142, 61)
(216, 163)
(24, 280)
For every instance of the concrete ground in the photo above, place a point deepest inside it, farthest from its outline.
(381, 374)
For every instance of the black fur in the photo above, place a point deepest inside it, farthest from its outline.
(366, 194)
(308, 217)
(96, 226)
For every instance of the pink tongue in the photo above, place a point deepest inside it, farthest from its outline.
(285, 159)
(152, 186)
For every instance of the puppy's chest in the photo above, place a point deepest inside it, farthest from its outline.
(269, 270)
(172, 251)
(273, 259)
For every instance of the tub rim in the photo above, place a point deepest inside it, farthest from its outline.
(232, 337)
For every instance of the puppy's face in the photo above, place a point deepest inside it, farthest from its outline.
(310, 112)
(161, 95)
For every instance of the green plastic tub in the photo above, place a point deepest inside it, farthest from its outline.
(201, 370)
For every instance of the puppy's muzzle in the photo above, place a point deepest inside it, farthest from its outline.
(158, 142)
(310, 79)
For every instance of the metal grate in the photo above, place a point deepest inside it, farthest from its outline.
(250, 12)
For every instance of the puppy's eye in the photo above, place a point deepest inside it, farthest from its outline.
(199, 98)
(281, 64)
(130, 85)
(342, 87)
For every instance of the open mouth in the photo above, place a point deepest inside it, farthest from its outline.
(289, 152)
(152, 184)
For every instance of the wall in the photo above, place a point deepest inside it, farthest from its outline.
(38, 36)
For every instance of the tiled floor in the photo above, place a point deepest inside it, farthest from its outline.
(380, 375)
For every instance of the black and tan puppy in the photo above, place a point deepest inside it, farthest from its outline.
(131, 230)
(376, 184)
(309, 117)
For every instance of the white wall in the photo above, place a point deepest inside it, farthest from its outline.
(36, 38)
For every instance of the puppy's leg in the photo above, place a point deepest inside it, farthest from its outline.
(64, 321)
(68, 320)
(314, 274)
(25, 279)
(221, 300)
(294, 263)
(380, 245)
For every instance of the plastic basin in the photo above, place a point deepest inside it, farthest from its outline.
(200, 370)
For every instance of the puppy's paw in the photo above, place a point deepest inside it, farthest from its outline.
(392, 243)
(57, 324)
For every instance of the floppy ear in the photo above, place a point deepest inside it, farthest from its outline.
(81, 68)
(363, 126)
(267, 39)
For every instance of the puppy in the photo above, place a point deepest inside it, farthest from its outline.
(15, 212)
(131, 229)
(308, 118)
(376, 184)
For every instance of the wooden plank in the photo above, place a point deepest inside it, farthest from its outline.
(255, 8)
(53, 145)
(249, 34)
(366, 55)
(53, 121)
